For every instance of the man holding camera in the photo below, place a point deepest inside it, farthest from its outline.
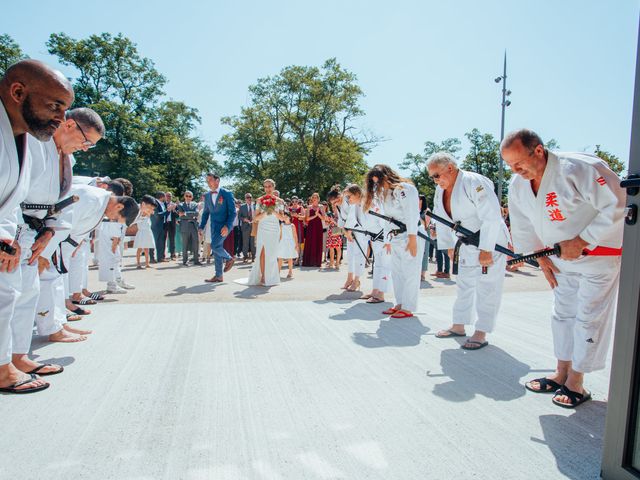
(188, 213)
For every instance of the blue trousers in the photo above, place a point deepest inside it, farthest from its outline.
(220, 255)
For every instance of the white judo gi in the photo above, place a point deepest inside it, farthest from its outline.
(108, 260)
(578, 195)
(14, 185)
(46, 188)
(476, 207)
(403, 204)
(382, 259)
(83, 216)
(351, 216)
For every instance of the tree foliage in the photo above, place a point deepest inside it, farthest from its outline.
(10, 53)
(149, 141)
(612, 160)
(416, 163)
(299, 129)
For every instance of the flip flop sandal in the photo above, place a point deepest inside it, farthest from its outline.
(366, 297)
(546, 385)
(574, 397)
(478, 345)
(84, 301)
(73, 318)
(401, 314)
(80, 311)
(375, 300)
(96, 296)
(14, 388)
(451, 333)
(389, 311)
(43, 374)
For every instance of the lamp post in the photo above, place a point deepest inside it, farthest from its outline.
(505, 104)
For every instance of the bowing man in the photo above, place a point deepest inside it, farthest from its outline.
(399, 199)
(468, 198)
(574, 200)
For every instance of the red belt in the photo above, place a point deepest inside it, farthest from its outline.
(604, 252)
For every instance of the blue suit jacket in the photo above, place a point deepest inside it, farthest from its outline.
(221, 214)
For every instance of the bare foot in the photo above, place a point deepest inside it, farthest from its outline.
(11, 375)
(69, 328)
(66, 337)
(25, 364)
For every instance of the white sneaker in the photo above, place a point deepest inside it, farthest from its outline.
(122, 284)
(114, 288)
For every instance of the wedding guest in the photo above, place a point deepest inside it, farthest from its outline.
(297, 218)
(144, 237)
(157, 227)
(188, 218)
(288, 247)
(313, 246)
(334, 241)
(246, 212)
(170, 224)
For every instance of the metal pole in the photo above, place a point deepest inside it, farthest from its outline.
(504, 106)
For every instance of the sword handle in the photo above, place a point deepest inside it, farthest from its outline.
(485, 270)
(6, 248)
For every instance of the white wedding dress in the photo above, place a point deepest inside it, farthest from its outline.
(267, 237)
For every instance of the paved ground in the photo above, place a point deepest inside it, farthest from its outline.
(186, 381)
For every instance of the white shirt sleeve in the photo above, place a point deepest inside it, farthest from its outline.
(488, 211)
(601, 188)
(410, 203)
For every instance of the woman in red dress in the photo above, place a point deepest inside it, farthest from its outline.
(313, 247)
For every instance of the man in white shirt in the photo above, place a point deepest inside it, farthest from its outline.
(573, 200)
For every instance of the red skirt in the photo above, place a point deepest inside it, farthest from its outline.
(334, 241)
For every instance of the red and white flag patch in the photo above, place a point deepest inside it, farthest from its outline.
(601, 181)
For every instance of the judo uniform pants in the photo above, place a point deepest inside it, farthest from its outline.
(51, 312)
(381, 268)
(10, 286)
(584, 310)
(25, 309)
(482, 291)
(405, 271)
(354, 255)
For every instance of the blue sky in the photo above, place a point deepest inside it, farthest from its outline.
(426, 67)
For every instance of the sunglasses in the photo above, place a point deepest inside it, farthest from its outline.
(87, 143)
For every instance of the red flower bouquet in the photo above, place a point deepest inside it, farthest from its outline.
(268, 204)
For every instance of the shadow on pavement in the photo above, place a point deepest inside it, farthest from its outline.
(575, 438)
(363, 311)
(394, 332)
(490, 372)
(194, 290)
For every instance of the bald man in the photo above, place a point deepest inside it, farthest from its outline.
(34, 99)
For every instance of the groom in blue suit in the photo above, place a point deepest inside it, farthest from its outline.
(220, 208)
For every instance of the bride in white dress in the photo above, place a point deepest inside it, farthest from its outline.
(265, 271)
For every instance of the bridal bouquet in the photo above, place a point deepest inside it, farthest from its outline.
(268, 204)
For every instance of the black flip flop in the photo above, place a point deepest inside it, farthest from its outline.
(96, 296)
(545, 383)
(575, 397)
(84, 301)
(451, 334)
(43, 374)
(474, 342)
(80, 311)
(14, 388)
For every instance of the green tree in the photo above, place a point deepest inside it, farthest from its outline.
(416, 163)
(151, 142)
(484, 156)
(612, 160)
(300, 129)
(10, 53)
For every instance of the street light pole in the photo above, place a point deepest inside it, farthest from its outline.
(505, 104)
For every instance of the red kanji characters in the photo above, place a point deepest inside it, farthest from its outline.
(556, 215)
(552, 200)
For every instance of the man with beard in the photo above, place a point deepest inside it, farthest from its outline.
(34, 100)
